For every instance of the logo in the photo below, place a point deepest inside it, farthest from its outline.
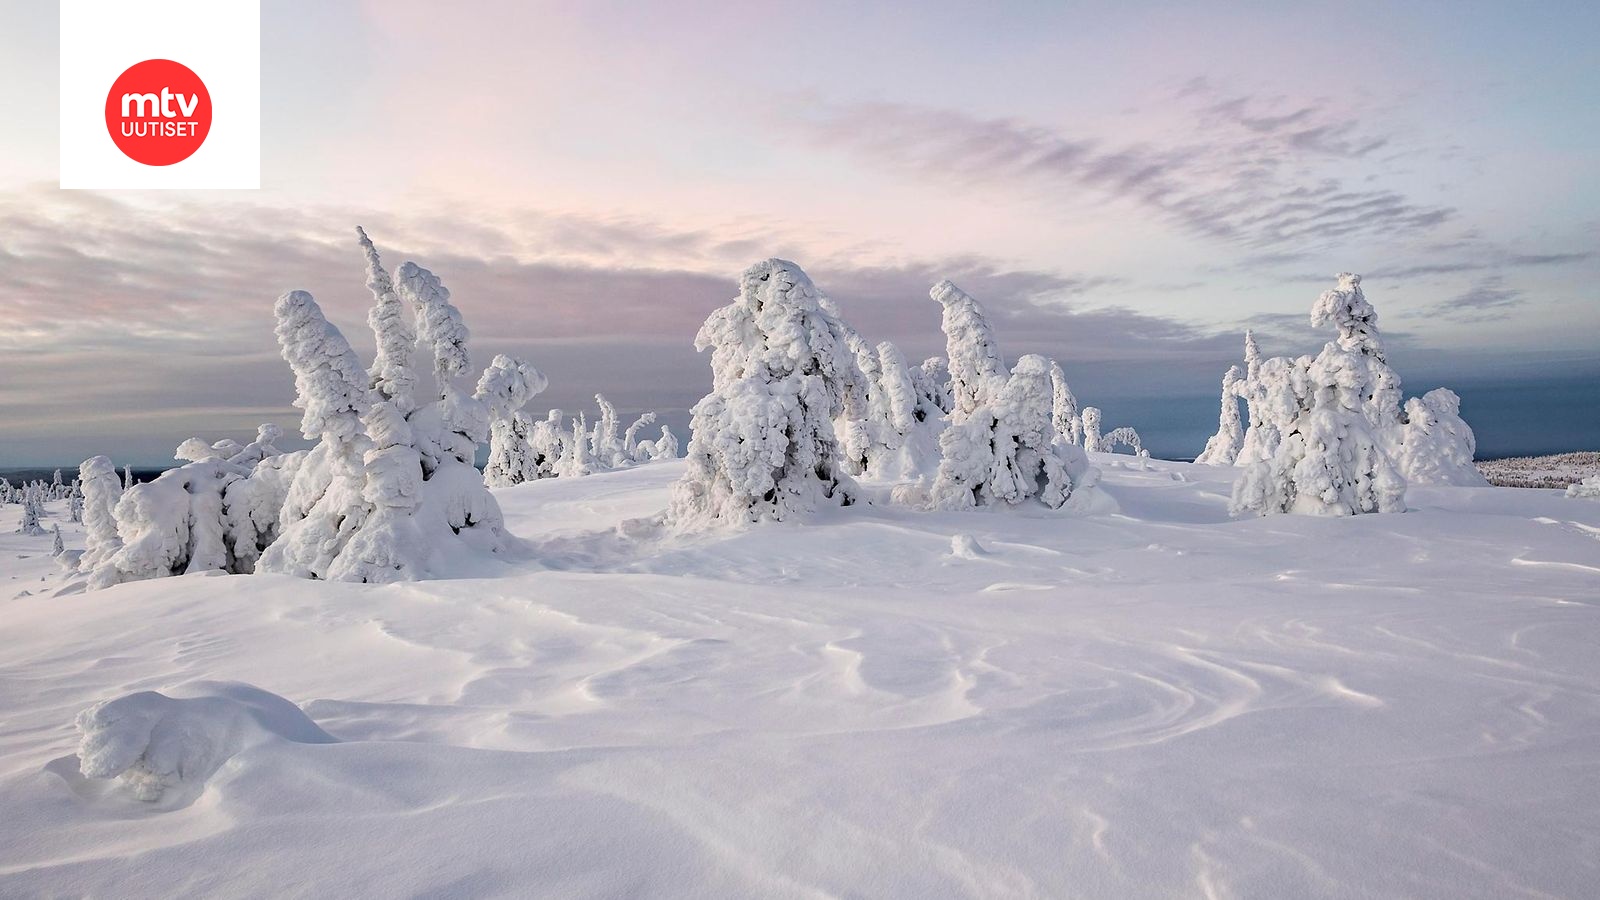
(160, 94)
(158, 112)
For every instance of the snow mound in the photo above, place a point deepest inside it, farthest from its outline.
(165, 748)
(1588, 489)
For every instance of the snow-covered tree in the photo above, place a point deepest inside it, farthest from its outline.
(664, 447)
(977, 371)
(1004, 451)
(1331, 459)
(605, 445)
(195, 450)
(1223, 447)
(57, 546)
(127, 477)
(32, 509)
(907, 438)
(932, 381)
(547, 441)
(324, 506)
(1092, 440)
(576, 460)
(98, 479)
(393, 378)
(763, 445)
(1436, 445)
(1587, 489)
(1125, 436)
(1063, 406)
(262, 447)
(57, 489)
(75, 505)
(506, 386)
(630, 438)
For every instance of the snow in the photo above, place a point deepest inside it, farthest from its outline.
(881, 702)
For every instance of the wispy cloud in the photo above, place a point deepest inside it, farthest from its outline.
(1242, 176)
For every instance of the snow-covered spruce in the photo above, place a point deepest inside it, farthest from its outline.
(1223, 447)
(101, 490)
(1436, 445)
(323, 506)
(32, 510)
(1123, 436)
(977, 371)
(547, 441)
(605, 443)
(393, 377)
(664, 447)
(908, 430)
(1005, 451)
(630, 438)
(1064, 407)
(506, 386)
(1093, 442)
(932, 381)
(763, 445)
(1331, 459)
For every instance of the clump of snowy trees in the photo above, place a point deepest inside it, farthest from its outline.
(1327, 435)
(388, 492)
(801, 406)
(523, 449)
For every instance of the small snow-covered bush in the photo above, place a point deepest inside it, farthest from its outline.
(1587, 489)
(763, 445)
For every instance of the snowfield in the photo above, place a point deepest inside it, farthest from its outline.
(1157, 702)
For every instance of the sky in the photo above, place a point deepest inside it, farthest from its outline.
(1125, 186)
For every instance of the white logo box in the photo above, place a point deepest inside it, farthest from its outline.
(219, 39)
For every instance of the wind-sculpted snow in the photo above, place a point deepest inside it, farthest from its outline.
(163, 747)
(1165, 702)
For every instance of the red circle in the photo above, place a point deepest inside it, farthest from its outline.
(160, 128)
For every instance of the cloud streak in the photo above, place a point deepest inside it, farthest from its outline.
(1245, 177)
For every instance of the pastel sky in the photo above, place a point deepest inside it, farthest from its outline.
(1127, 186)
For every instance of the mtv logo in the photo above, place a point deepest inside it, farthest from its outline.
(161, 94)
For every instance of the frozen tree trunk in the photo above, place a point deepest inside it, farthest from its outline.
(1223, 447)
(763, 444)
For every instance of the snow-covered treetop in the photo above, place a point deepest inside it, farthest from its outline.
(392, 375)
(194, 450)
(1346, 307)
(96, 467)
(330, 385)
(1252, 357)
(976, 368)
(440, 322)
(508, 384)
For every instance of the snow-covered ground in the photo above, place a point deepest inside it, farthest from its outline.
(1160, 702)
